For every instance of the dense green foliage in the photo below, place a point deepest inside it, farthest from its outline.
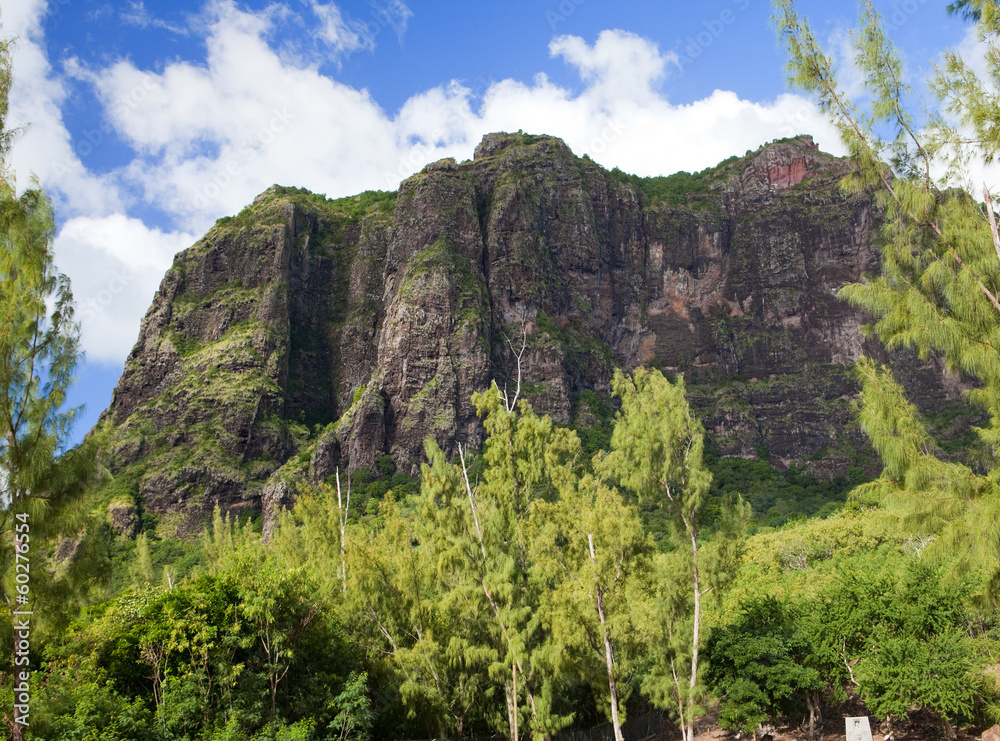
(516, 587)
(40, 482)
(677, 189)
(887, 628)
(351, 207)
(941, 273)
(761, 665)
(669, 189)
(904, 632)
(558, 576)
(656, 452)
(775, 497)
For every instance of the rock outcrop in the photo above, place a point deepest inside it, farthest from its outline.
(307, 333)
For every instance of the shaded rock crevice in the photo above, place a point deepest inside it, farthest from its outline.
(306, 333)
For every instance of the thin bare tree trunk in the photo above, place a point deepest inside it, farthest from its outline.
(949, 730)
(511, 692)
(342, 514)
(697, 623)
(609, 654)
(812, 701)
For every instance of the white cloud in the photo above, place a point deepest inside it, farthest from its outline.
(619, 118)
(974, 174)
(974, 52)
(115, 265)
(207, 136)
(619, 66)
(138, 15)
(22, 18)
(843, 53)
(394, 13)
(44, 148)
(343, 36)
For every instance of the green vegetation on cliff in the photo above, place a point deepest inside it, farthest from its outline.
(562, 573)
(677, 189)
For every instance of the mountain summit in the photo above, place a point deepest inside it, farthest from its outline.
(307, 333)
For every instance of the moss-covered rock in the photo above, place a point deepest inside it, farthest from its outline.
(307, 333)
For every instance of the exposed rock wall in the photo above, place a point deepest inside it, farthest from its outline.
(306, 333)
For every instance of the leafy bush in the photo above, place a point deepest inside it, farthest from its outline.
(902, 629)
(761, 665)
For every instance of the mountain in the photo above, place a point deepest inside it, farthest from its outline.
(307, 333)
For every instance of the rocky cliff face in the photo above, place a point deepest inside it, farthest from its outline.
(307, 333)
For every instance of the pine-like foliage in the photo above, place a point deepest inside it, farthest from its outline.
(656, 451)
(940, 283)
(481, 533)
(38, 353)
(38, 478)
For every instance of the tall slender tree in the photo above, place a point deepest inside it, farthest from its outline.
(598, 555)
(939, 291)
(656, 451)
(38, 352)
(421, 619)
(482, 531)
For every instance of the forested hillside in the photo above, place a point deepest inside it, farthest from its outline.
(368, 476)
(307, 333)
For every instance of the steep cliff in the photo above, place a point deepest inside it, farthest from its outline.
(307, 333)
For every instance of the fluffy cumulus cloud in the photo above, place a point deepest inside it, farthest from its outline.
(619, 118)
(620, 66)
(45, 149)
(207, 136)
(115, 263)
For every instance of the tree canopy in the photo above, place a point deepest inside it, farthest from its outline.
(940, 282)
(521, 588)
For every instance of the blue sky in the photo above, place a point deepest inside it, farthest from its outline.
(151, 119)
